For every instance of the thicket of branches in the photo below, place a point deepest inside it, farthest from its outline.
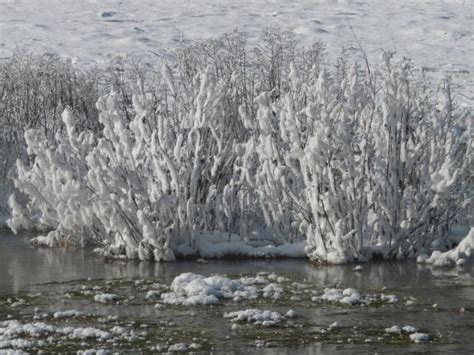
(268, 141)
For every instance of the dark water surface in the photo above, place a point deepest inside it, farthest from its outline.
(52, 273)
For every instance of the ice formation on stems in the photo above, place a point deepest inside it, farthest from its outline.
(355, 162)
(362, 165)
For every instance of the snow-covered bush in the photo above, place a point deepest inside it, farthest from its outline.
(268, 144)
(34, 91)
(369, 163)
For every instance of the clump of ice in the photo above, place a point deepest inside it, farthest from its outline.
(393, 329)
(272, 291)
(265, 318)
(85, 333)
(389, 298)
(13, 332)
(419, 337)
(258, 280)
(193, 289)
(350, 296)
(178, 347)
(106, 297)
(332, 295)
(67, 314)
(409, 329)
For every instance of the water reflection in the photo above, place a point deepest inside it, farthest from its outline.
(22, 266)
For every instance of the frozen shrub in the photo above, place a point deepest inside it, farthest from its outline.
(363, 165)
(266, 143)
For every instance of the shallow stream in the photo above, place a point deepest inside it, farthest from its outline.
(35, 284)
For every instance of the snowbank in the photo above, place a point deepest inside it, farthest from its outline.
(463, 253)
(217, 245)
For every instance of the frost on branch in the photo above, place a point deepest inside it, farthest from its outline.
(355, 163)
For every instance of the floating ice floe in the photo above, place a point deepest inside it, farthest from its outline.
(13, 333)
(265, 318)
(66, 314)
(348, 296)
(193, 289)
(272, 291)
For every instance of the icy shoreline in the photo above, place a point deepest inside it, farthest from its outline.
(204, 249)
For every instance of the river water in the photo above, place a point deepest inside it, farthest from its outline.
(35, 283)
